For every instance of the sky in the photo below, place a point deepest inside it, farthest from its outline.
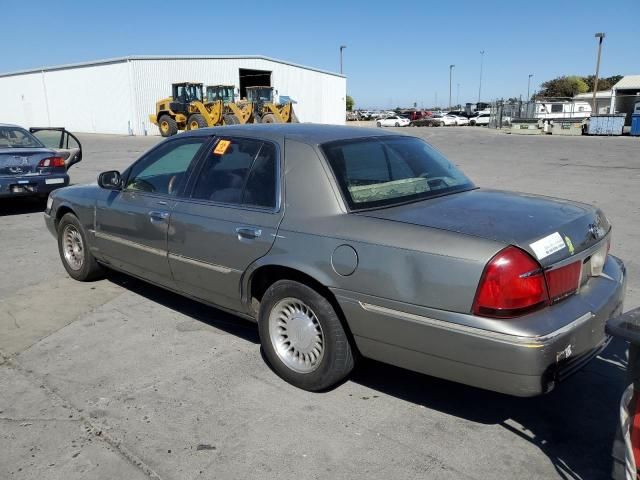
(398, 53)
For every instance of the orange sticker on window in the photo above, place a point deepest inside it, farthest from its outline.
(221, 147)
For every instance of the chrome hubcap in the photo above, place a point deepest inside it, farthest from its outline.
(296, 335)
(72, 247)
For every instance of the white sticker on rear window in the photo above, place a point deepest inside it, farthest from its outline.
(548, 245)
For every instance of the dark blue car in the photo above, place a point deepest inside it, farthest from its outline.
(35, 162)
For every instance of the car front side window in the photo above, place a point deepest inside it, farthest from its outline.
(165, 169)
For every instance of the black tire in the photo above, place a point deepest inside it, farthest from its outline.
(378, 124)
(196, 121)
(442, 124)
(268, 118)
(337, 359)
(167, 126)
(472, 123)
(90, 268)
(397, 124)
(231, 119)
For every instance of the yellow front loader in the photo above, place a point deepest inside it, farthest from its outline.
(264, 108)
(186, 110)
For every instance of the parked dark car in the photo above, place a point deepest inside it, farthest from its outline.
(338, 240)
(35, 162)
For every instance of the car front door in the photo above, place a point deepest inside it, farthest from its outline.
(132, 223)
(229, 220)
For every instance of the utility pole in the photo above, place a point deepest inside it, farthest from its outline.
(480, 86)
(529, 86)
(600, 37)
(342, 47)
(450, 77)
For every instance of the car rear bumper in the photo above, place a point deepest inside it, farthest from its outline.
(512, 364)
(31, 185)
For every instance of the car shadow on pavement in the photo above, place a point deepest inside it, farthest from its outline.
(21, 206)
(574, 425)
(214, 317)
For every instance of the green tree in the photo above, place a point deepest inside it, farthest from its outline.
(350, 103)
(605, 83)
(565, 86)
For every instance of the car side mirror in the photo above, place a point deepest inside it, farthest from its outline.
(110, 180)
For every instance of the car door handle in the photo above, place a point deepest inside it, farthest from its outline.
(248, 233)
(158, 216)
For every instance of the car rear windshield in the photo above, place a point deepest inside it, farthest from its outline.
(16, 137)
(382, 171)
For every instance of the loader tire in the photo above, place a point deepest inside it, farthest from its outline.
(269, 118)
(196, 121)
(231, 119)
(167, 126)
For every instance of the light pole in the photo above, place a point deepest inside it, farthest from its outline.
(529, 86)
(480, 86)
(600, 37)
(458, 96)
(450, 77)
(342, 47)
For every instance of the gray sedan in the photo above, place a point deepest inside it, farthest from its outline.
(342, 242)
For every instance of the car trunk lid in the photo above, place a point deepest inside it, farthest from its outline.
(21, 161)
(550, 229)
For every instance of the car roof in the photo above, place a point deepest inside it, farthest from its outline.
(312, 134)
(9, 125)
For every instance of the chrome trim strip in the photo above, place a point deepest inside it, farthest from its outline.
(199, 263)
(530, 342)
(129, 243)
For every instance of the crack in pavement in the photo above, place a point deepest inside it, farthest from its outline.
(90, 427)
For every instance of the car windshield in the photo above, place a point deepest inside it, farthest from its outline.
(16, 137)
(383, 171)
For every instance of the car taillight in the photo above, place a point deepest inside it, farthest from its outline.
(512, 284)
(563, 281)
(51, 162)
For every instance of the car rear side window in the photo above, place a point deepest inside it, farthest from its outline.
(239, 171)
(381, 171)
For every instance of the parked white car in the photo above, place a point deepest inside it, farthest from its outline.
(482, 119)
(459, 120)
(444, 120)
(393, 121)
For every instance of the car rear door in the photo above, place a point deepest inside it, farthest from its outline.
(64, 143)
(229, 220)
(131, 224)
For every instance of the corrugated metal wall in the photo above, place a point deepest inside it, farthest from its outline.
(92, 99)
(118, 97)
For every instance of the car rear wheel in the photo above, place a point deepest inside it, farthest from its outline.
(302, 337)
(74, 251)
(167, 125)
(472, 123)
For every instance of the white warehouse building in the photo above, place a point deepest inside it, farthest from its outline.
(117, 95)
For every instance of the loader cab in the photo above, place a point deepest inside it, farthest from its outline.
(226, 93)
(183, 94)
(260, 95)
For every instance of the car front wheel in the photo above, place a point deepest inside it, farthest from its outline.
(302, 337)
(74, 250)
(378, 124)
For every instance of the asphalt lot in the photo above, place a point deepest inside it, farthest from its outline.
(119, 379)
